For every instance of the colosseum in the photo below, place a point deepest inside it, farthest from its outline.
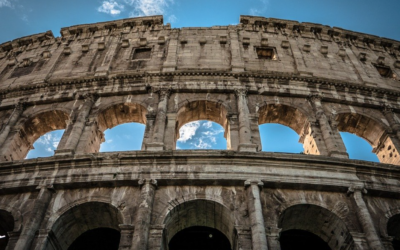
(315, 79)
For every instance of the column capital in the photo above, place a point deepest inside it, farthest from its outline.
(152, 182)
(387, 109)
(163, 92)
(314, 97)
(20, 106)
(241, 92)
(357, 188)
(248, 183)
(49, 187)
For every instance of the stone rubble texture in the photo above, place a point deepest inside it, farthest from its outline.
(315, 79)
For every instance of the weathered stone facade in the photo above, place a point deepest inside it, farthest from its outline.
(315, 79)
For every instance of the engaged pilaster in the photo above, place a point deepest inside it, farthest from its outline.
(32, 223)
(258, 236)
(77, 127)
(365, 218)
(142, 225)
(18, 109)
(245, 143)
(160, 122)
(330, 134)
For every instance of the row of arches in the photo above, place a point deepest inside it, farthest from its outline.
(377, 133)
(196, 224)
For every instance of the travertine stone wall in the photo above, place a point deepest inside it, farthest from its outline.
(312, 78)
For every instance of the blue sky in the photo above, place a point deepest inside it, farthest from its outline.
(20, 18)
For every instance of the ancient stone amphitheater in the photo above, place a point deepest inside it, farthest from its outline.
(315, 79)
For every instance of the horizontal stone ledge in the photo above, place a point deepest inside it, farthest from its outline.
(207, 157)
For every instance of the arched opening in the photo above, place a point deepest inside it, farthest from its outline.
(279, 138)
(6, 225)
(393, 230)
(358, 148)
(373, 132)
(123, 126)
(312, 221)
(295, 120)
(300, 240)
(46, 144)
(201, 135)
(83, 223)
(32, 129)
(202, 110)
(199, 238)
(97, 239)
(199, 216)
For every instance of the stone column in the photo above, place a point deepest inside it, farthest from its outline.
(258, 236)
(142, 225)
(18, 109)
(77, 127)
(330, 134)
(237, 59)
(156, 237)
(170, 62)
(390, 117)
(232, 132)
(32, 222)
(243, 238)
(170, 135)
(149, 130)
(245, 144)
(160, 122)
(125, 242)
(365, 218)
(273, 238)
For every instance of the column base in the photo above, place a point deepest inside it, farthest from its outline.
(248, 147)
(64, 152)
(338, 154)
(155, 146)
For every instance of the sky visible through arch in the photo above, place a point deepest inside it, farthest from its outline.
(21, 18)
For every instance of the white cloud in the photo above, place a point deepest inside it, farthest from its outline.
(172, 19)
(207, 124)
(187, 131)
(5, 3)
(202, 144)
(49, 141)
(111, 7)
(148, 7)
(258, 11)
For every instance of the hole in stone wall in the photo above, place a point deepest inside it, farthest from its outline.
(124, 137)
(46, 144)
(199, 238)
(385, 71)
(279, 138)
(201, 135)
(266, 53)
(300, 239)
(6, 225)
(141, 53)
(358, 148)
(99, 239)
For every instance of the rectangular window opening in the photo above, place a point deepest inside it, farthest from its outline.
(385, 71)
(141, 53)
(266, 53)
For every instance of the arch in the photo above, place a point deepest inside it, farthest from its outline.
(16, 214)
(31, 129)
(81, 218)
(375, 132)
(319, 221)
(6, 225)
(120, 113)
(296, 119)
(199, 212)
(202, 110)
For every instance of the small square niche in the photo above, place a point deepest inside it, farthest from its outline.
(384, 71)
(266, 53)
(141, 53)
